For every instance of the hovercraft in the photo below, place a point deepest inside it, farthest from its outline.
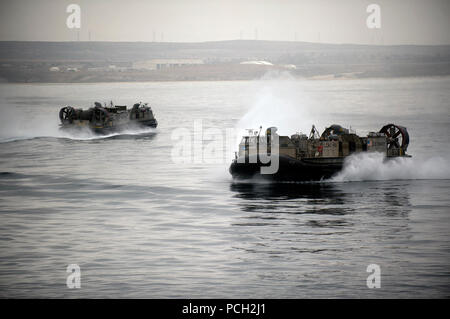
(106, 119)
(314, 157)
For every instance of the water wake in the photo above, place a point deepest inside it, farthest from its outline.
(86, 135)
(373, 166)
(79, 135)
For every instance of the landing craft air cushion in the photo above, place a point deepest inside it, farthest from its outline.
(107, 119)
(317, 157)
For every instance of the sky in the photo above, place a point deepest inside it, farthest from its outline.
(326, 21)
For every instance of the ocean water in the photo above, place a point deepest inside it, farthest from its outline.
(154, 214)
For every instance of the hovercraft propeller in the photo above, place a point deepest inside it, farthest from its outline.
(397, 136)
(66, 114)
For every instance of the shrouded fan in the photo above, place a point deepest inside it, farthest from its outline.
(397, 136)
(66, 114)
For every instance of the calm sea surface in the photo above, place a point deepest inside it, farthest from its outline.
(143, 221)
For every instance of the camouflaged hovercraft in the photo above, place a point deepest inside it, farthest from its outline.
(106, 119)
(317, 157)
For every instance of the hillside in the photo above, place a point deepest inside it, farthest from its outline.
(116, 61)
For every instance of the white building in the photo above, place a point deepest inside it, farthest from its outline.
(257, 63)
(157, 64)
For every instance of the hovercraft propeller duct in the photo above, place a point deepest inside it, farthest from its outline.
(66, 114)
(397, 136)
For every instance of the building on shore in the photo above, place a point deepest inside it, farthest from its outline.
(158, 64)
(266, 63)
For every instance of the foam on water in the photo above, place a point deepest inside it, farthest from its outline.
(373, 166)
(86, 135)
(81, 135)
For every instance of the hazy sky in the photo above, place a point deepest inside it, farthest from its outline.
(332, 21)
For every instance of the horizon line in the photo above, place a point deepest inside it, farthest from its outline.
(218, 41)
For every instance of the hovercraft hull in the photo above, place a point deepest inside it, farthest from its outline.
(289, 169)
(103, 130)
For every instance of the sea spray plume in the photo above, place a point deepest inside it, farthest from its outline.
(25, 122)
(279, 100)
(374, 166)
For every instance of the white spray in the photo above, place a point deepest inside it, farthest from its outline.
(280, 101)
(373, 166)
